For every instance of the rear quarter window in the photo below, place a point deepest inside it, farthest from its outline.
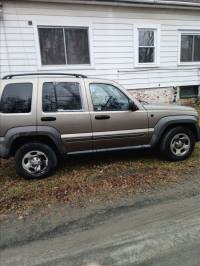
(16, 98)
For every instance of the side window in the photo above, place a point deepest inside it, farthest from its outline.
(16, 98)
(146, 46)
(61, 96)
(190, 47)
(106, 97)
(64, 45)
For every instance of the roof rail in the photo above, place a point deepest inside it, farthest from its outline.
(44, 74)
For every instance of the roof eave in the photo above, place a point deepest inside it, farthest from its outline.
(136, 3)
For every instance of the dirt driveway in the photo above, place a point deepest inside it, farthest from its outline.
(161, 227)
(95, 178)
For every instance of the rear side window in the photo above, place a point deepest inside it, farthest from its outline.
(61, 96)
(16, 98)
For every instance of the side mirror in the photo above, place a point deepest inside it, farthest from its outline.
(132, 106)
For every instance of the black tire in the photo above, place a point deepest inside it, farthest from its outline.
(51, 160)
(166, 149)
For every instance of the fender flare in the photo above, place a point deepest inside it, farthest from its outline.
(34, 131)
(167, 121)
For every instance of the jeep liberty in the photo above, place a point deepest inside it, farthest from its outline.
(44, 115)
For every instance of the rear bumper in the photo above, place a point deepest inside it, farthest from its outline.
(4, 151)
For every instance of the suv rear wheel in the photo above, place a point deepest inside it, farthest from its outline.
(35, 160)
(178, 144)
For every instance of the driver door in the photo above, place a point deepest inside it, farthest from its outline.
(114, 125)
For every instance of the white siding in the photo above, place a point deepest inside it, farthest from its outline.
(112, 34)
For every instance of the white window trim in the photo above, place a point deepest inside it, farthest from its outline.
(63, 67)
(156, 29)
(186, 32)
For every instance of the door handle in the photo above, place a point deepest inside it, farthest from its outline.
(102, 117)
(49, 118)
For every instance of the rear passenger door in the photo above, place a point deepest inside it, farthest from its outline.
(17, 106)
(63, 106)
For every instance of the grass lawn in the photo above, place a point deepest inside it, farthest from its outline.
(82, 179)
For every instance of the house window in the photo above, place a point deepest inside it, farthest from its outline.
(190, 48)
(189, 92)
(147, 45)
(146, 52)
(64, 45)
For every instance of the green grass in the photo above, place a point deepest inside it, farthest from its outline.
(98, 177)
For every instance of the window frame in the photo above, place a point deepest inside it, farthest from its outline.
(150, 27)
(186, 32)
(63, 111)
(63, 25)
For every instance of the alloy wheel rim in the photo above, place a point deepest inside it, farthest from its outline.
(35, 162)
(180, 144)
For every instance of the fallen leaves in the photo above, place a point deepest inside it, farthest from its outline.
(86, 178)
(104, 176)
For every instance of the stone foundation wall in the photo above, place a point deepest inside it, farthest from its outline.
(162, 95)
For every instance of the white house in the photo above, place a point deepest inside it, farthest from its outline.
(151, 47)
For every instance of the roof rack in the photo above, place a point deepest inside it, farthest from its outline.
(44, 74)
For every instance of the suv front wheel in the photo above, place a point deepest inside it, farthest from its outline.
(178, 144)
(35, 160)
